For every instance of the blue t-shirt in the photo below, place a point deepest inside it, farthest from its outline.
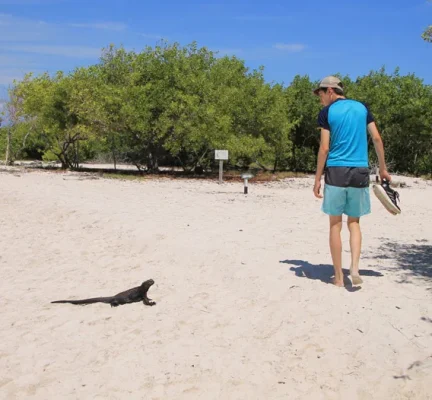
(347, 121)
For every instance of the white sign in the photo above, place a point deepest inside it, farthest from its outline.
(221, 154)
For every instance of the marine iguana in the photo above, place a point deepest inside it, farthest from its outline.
(133, 295)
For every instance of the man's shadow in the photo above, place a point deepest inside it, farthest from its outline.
(325, 272)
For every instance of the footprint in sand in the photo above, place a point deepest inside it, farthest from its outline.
(200, 296)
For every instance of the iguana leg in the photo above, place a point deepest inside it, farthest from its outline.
(148, 302)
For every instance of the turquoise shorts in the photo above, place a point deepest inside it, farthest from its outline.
(354, 202)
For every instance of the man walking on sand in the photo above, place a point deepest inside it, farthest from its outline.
(343, 154)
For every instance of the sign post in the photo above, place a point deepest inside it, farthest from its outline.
(221, 155)
(220, 171)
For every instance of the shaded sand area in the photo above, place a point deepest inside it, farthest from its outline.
(244, 307)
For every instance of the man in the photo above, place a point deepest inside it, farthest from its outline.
(343, 154)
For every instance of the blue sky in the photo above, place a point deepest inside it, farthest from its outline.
(312, 37)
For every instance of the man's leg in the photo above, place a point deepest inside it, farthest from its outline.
(355, 244)
(336, 248)
(358, 205)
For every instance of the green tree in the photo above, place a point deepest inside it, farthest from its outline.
(174, 104)
(402, 106)
(427, 34)
(49, 101)
(303, 108)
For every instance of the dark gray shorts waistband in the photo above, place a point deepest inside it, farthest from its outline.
(347, 176)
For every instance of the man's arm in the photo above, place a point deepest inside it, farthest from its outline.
(379, 149)
(322, 158)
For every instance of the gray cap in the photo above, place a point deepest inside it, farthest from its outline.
(329, 82)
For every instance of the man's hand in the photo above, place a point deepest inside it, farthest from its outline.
(384, 175)
(317, 189)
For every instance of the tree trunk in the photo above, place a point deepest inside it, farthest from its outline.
(152, 162)
(113, 150)
(275, 165)
(64, 159)
(64, 162)
(294, 161)
(261, 165)
(77, 154)
(8, 160)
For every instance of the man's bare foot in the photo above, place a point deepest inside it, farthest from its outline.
(355, 277)
(338, 283)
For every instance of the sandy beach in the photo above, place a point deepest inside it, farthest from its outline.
(245, 308)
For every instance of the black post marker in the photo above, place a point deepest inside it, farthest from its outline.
(245, 177)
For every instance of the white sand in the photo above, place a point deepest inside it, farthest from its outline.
(236, 317)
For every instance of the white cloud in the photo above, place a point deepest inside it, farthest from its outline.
(290, 47)
(9, 19)
(10, 73)
(14, 60)
(66, 51)
(16, 29)
(108, 26)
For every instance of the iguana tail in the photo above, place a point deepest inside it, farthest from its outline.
(87, 301)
